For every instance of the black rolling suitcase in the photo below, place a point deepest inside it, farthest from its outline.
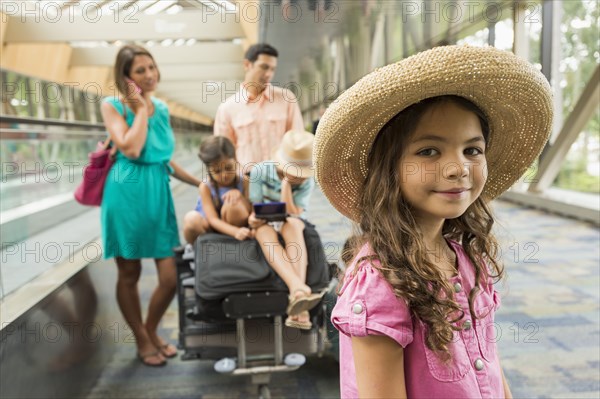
(234, 277)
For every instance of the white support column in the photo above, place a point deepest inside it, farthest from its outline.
(337, 62)
(361, 53)
(343, 58)
(556, 73)
(389, 37)
(521, 41)
(378, 45)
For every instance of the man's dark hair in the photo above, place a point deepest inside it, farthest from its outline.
(261, 48)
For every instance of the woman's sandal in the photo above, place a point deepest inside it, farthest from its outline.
(166, 346)
(144, 359)
(300, 303)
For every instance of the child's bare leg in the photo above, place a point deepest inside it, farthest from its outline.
(193, 226)
(297, 254)
(274, 253)
(236, 214)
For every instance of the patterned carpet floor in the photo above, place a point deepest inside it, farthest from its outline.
(548, 326)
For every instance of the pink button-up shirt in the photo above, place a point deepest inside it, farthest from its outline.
(256, 126)
(367, 306)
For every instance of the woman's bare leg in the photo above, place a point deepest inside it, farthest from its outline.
(193, 226)
(159, 302)
(128, 299)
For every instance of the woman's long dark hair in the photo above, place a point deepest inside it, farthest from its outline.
(123, 64)
(388, 226)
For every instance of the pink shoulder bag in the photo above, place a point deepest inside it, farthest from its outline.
(89, 191)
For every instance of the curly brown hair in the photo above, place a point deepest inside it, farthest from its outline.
(387, 224)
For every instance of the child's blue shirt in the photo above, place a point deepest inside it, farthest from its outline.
(265, 186)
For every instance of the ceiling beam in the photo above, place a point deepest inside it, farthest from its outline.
(199, 86)
(198, 72)
(204, 97)
(199, 53)
(199, 25)
(206, 107)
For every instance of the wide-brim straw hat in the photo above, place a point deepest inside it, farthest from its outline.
(515, 97)
(295, 153)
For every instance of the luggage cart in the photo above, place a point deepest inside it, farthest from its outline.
(240, 325)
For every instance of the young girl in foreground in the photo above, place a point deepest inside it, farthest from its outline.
(446, 131)
(223, 205)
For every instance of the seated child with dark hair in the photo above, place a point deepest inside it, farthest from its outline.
(223, 205)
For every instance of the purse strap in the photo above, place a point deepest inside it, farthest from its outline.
(107, 142)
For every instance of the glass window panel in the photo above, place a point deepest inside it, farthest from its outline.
(580, 48)
(581, 169)
(80, 109)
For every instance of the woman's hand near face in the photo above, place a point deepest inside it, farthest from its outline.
(134, 98)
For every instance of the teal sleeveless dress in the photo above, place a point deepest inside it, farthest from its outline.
(137, 213)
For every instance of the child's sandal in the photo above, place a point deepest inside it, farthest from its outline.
(298, 304)
(301, 324)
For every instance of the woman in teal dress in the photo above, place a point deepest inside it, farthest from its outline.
(138, 215)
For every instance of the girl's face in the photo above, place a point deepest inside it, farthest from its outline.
(223, 171)
(144, 73)
(443, 167)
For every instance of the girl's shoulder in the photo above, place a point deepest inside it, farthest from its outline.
(363, 270)
(206, 186)
(367, 304)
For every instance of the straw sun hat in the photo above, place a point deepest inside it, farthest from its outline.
(294, 154)
(515, 97)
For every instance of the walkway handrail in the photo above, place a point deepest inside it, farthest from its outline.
(49, 122)
(84, 133)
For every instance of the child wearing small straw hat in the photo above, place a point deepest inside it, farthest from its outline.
(288, 178)
(413, 153)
